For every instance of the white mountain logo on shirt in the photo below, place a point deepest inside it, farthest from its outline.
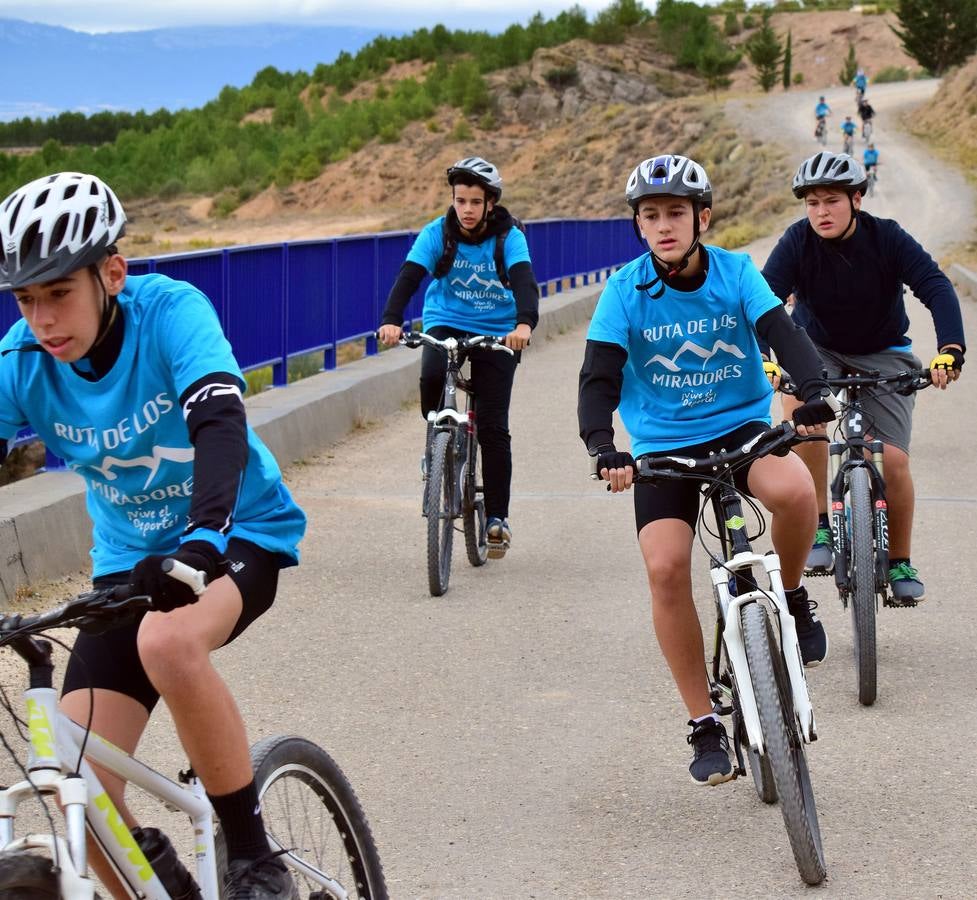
(467, 283)
(172, 454)
(701, 352)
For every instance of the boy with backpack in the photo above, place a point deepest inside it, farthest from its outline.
(482, 283)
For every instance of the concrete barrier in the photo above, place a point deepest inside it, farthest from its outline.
(964, 280)
(45, 531)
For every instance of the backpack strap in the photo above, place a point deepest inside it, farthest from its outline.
(447, 260)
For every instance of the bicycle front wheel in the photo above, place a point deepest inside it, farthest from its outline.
(27, 876)
(861, 578)
(310, 810)
(440, 513)
(473, 508)
(784, 748)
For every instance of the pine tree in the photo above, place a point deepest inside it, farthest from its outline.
(787, 60)
(765, 52)
(938, 34)
(850, 67)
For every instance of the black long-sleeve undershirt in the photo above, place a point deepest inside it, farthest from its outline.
(217, 425)
(794, 351)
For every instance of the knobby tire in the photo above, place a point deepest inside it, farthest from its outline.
(27, 876)
(473, 504)
(861, 580)
(310, 808)
(440, 513)
(783, 744)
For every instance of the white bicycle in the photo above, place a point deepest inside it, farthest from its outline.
(311, 813)
(757, 674)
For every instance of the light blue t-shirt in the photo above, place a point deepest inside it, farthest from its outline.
(694, 370)
(822, 109)
(848, 127)
(870, 157)
(126, 435)
(470, 297)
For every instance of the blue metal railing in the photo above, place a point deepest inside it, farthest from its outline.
(277, 301)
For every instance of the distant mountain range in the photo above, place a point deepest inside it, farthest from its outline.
(45, 70)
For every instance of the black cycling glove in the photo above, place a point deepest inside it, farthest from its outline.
(609, 457)
(816, 410)
(149, 578)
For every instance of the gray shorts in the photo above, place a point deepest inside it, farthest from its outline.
(890, 417)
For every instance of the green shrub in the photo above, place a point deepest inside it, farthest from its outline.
(891, 73)
(518, 87)
(731, 25)
(224, 204)
(462, 131)
(798, 78)
(748, 22)
(487, 122)
(389, 133)
(171, 188)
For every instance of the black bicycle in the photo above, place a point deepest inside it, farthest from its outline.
(757, 673)
(859, 513)
(454, 473)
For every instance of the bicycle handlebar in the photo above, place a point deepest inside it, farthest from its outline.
(908, 382)
(488, 342)
(99, 605)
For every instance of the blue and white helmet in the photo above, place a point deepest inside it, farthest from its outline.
(56, 225)
(482, 170)
(669, 176)
(833, 170)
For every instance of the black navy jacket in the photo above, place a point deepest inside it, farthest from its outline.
(849, 294)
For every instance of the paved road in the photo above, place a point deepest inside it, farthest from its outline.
(520, 737)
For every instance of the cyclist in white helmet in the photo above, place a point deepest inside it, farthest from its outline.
(483, 283)
(672, 347)
(846, 270)
(132, 382)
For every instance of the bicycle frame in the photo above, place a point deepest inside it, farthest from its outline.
(53, 739)
(740, 556)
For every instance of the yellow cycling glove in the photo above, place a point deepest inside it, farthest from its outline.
(950, 358)
(771, 369)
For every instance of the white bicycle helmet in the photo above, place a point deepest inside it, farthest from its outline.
(57, 225)
(482, 170)
(668, 176)
(826, 169)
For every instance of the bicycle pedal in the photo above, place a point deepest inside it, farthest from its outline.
(818, 573)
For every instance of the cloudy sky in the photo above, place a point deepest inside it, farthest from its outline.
(125, 15)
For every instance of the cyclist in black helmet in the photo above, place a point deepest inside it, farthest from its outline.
(846, 270)
(483, 284)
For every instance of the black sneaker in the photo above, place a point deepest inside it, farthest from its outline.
(710, 752)
(264, 878)
(810, 632)
(821, 557)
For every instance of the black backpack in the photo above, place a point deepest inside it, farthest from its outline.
(450, 242)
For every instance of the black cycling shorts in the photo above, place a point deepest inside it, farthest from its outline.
(111, 660)
(681, 499)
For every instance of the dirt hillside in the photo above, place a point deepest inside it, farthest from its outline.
(565, 147)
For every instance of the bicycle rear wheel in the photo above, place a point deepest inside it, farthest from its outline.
(310, 809)
(440, 513)
(473, 507)
(27, 876)
(861, 578)
(783, 744)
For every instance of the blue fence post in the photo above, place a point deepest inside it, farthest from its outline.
(329, 356)
(279, 372)
(371, 341)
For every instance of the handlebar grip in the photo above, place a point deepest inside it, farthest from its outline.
(192, 578)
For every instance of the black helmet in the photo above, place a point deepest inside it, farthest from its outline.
(56, 225)
(837, 170)
(668, 176)
(483, 172)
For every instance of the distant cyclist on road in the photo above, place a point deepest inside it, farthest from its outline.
(866, 113)
(821, 113)
(483, 284)
(848, 132)
(861, 82)
(870, 159)
(672, 345)
(846, 270)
